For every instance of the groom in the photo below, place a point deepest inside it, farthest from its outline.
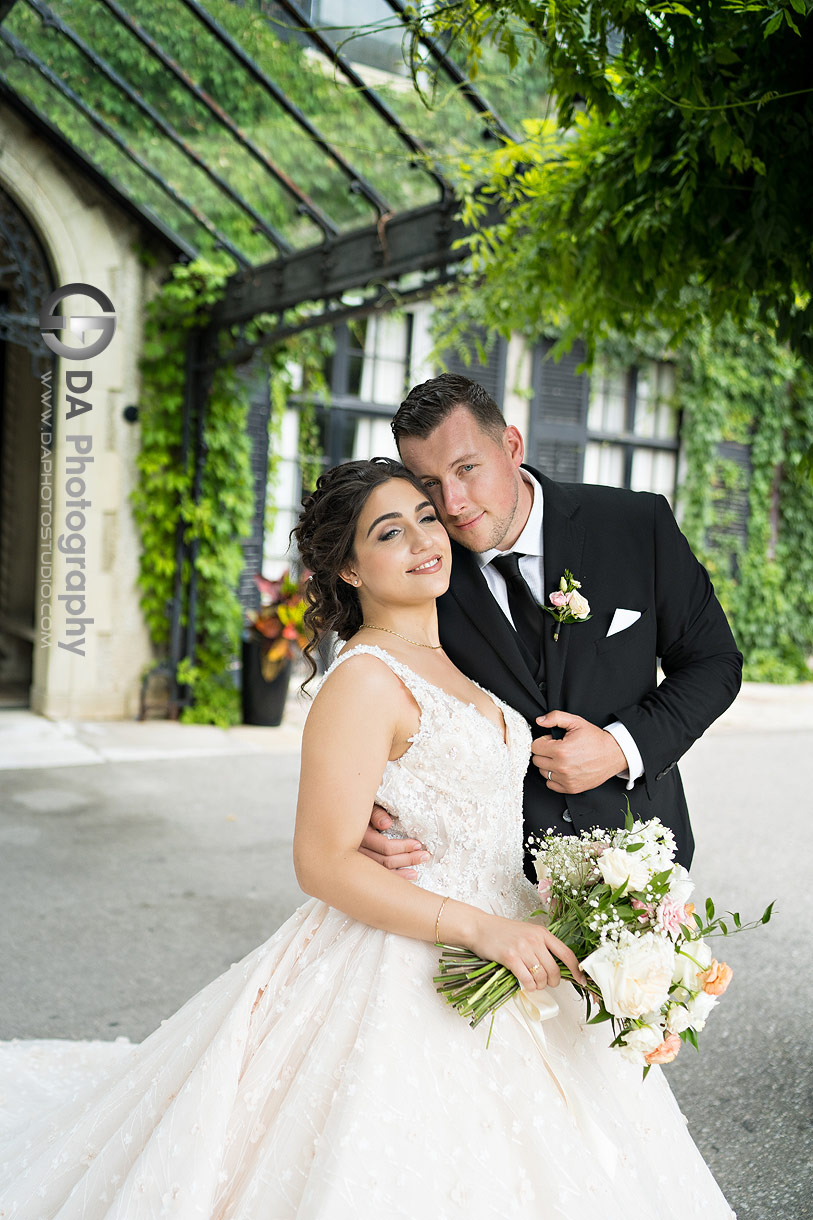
(603, 729)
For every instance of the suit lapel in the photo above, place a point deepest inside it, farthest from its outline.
(563, 544)
(473, 595)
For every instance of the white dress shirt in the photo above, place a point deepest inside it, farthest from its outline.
(530, 547)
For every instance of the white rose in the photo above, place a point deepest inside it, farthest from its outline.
(634, 976)
(678, 1018)
(640, 1042)
(658, 844)
(619, 867)
(699, 1009)
(693, 957)
(541, 868)
(578, 606)
(680, 885)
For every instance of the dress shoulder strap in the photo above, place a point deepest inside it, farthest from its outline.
(415, 684)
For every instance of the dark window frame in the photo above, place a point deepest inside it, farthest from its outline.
(562, 440)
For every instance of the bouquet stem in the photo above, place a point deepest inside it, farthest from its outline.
(476, 987)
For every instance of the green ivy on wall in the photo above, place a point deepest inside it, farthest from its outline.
(163, 496)
(221, 519)
(741, 385)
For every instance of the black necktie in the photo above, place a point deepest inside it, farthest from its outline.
(524, 608)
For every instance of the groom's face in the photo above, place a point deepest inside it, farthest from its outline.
(472, 477)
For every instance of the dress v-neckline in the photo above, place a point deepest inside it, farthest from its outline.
(501, 734)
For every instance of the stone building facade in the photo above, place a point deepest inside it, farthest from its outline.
(57, 216)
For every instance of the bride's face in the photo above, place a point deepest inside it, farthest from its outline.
(401, 551)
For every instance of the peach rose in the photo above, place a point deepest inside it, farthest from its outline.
(666, 1052)
(716, 978)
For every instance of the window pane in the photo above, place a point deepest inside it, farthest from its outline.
(388, 381)
(665, 473)
(667, 417)
(374, 439)
(608, 410)
(654, 414)
(654, 470)
(641, 475)
(645, 402)
(385, 360)
(604, 463)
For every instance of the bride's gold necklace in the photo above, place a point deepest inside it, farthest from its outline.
(417, 643)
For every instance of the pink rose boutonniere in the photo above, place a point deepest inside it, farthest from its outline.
(567, 604)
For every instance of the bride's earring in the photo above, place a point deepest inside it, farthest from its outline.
(350, 578)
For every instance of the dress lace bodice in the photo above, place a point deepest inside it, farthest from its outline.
(458, 789)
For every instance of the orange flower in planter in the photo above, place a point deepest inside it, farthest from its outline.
(278, 626)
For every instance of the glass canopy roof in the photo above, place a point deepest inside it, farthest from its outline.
(262, 128)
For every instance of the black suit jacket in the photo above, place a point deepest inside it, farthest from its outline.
(627, 551)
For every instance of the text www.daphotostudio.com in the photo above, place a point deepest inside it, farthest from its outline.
(78, 457)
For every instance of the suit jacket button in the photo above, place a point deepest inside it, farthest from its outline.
(566, 816)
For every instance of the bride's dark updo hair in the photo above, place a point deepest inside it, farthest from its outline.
(325, 534)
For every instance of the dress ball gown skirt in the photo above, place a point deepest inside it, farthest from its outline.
(323, 1078)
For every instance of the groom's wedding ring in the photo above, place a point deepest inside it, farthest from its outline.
(550, 773)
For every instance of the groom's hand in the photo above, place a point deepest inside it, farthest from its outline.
(400, 854)
(584, 758)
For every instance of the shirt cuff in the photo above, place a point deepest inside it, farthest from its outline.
(635, 764)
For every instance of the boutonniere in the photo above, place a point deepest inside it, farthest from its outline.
(568, 605)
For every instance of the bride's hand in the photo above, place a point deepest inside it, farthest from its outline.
(521, 946)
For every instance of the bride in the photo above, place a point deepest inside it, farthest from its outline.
(322, 1077)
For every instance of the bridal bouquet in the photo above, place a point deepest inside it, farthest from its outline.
(622, 905)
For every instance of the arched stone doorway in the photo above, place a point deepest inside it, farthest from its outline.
(26, 443)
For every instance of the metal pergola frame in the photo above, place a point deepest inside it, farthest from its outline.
(396, 257)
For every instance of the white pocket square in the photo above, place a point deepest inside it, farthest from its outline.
(622, 619)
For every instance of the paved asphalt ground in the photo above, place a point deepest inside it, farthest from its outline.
(137, 861)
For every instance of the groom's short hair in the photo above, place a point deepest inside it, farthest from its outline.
(428, 404)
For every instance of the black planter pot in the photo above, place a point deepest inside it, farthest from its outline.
(263, 702)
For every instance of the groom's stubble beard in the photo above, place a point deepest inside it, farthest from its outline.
(499, 528)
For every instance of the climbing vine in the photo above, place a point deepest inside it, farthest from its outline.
(742, 386)
(221, 518)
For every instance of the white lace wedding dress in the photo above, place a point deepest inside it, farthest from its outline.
(323, 1078)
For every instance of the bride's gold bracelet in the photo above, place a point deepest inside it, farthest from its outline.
(437, 921)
